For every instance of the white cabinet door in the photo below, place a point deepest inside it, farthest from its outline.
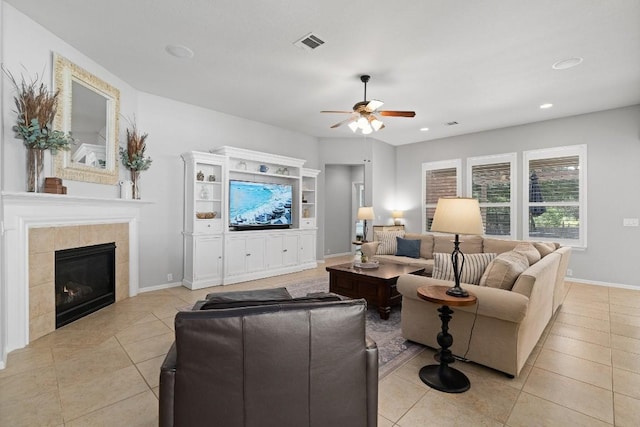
(274, 246)
(208, 257)
(255, 253)
(235, 256)
(307, 247)
(290, 249)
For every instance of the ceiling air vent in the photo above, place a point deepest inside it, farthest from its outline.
(452, 123)
(309, 42)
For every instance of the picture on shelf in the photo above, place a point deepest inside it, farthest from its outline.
(259, 204)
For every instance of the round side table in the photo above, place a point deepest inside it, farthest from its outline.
(443, 377)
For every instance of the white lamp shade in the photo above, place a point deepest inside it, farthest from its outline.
(366, 212)
(457, 215)
(397, 214)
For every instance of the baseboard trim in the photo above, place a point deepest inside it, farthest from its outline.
(337, 255)
(599, 283)
(159, 287)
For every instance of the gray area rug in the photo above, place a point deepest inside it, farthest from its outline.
(393, 349)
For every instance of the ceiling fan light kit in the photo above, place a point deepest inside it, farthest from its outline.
(363, 117)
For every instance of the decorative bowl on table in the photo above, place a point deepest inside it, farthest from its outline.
(368, 264)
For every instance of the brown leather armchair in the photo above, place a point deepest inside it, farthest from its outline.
(285, 363)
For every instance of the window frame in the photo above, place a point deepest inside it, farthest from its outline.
(438, 165)
(510, 158)
(550, 153)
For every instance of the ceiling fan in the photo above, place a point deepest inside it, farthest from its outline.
(363, 116)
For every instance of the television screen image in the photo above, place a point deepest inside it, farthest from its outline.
(259, 204)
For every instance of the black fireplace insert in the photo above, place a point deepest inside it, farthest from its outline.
(84, 281)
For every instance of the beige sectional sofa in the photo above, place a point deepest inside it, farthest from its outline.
(502, 329)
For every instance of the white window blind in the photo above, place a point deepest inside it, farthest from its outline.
(440, 179)
(491, 180)
(555, 195)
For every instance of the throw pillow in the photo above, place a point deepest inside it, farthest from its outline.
(545, 248)
(474, 266)
(387, 241)
(528, 250)
(406, 247)
(504, 270)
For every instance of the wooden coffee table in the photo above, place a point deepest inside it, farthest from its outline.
(377, 286)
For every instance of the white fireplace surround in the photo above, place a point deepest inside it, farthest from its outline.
(23, 211)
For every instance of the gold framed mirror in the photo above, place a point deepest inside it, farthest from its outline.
(89, 108)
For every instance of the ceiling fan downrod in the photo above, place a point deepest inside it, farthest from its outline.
(364, 79)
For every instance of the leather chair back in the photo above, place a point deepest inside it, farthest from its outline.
(304, 364)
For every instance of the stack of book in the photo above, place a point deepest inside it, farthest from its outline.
(54, 185)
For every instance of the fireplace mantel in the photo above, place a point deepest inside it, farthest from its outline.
(23, 211)
(47, 198)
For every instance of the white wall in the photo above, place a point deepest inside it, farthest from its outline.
(613, 144)
(384, 182)
(27, 48)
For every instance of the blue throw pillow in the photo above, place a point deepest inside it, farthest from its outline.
(406, 247)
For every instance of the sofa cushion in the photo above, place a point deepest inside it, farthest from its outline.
(468, 244)
(387, 241)
(474, 266)
(491, 244)
(527, 249)
(410, 248)
(545, 248)
(426, 243)
(504, 270)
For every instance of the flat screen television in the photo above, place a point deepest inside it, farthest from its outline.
(259, 205)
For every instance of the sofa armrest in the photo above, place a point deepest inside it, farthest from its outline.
(167, 385)
(492, 302)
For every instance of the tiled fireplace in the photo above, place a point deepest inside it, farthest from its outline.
(43, 244)
(34, 227)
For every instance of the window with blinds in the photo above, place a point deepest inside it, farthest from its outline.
(491, 180)
(440, 179)
(555, 195)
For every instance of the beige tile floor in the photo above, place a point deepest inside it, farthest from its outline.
(103, 369)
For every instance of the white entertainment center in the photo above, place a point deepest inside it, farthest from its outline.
(216, 253)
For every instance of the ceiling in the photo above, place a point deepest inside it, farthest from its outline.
(484, 64)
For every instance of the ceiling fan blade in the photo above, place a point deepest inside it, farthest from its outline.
(341, 123)
(397, 113)
(373, 105)
(332, 111)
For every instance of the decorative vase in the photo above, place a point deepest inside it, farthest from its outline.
(35, 167)
(135, 176)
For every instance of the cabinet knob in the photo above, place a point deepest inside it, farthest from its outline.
(248, 254)
(284, 250)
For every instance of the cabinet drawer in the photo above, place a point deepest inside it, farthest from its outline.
(307, 222)
(210, 226)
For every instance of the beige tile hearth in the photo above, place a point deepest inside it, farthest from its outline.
(104, 369)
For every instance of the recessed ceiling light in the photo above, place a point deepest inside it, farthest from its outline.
(545, 106)
(567, 63)
(178, 51)
(424, 129)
